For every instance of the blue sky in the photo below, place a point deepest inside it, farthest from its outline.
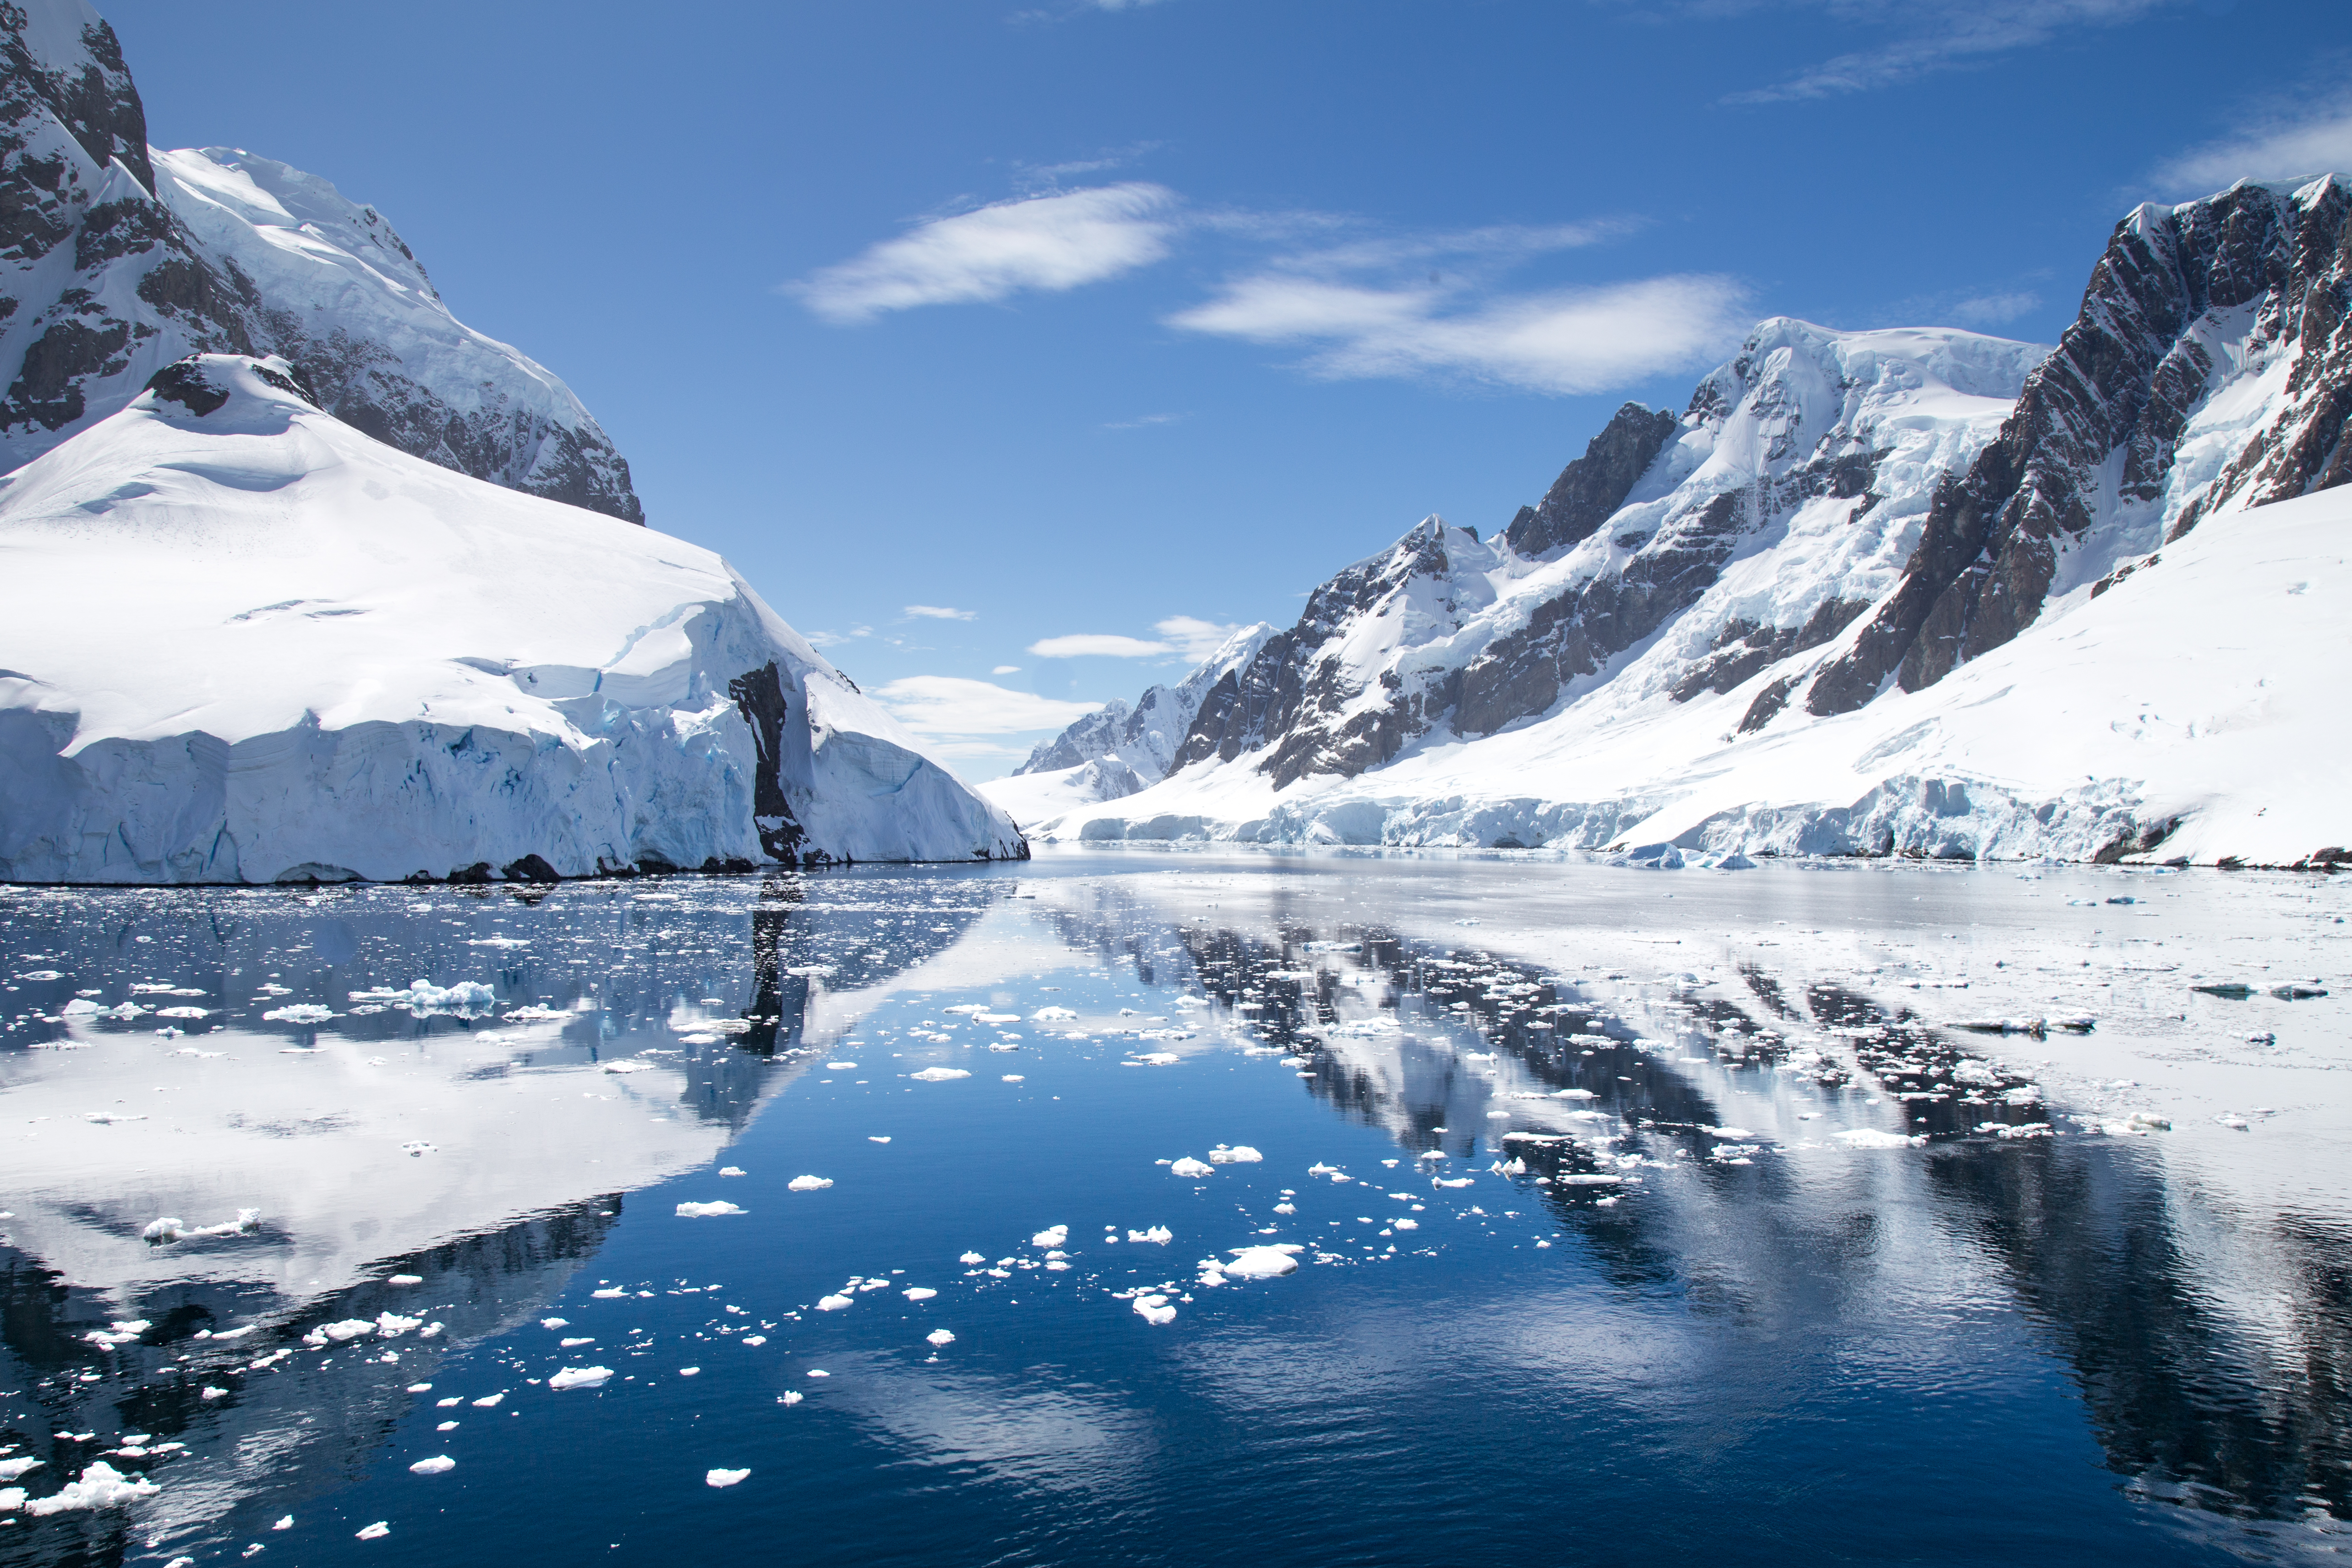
(1010, 347)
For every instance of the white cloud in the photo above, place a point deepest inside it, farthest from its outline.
(1050, 243)
(2317, 141)
(940, 612)
(1144, 422)
(1568, 340)
(948, 705)
(1100, 645)
(1948, 35)
(1005, 669)
(1192, 637)
(1994, 309)
(1185, 636)
(836, 639)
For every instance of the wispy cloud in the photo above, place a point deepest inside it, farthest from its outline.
(1995, 309)
(1186, 636)
(1096, 646)
(836, 639)
(1005, 669)
(1041, 242)
(2316, 139)
(1195, 638)
(1933, 36)
(1566, 341)
(1144, 422)
(947, 707)
(940, 612)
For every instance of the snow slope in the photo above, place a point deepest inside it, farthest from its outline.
(2200, 689)
(121, 259)
(243, 642)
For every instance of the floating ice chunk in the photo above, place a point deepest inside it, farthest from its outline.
(969, 1257)
(731, 1170)
(1190, 1167)
(576, 1340)
(996, 1017)
(1154, 1309)
(1159, 1234)
(80, 1006)
(1285, 1208)
(791, 1396)
(285, 1521)
(1053, 1236)
(392, 1279)
(489, 1401)
(1405, 1224)
(577, 1377)
(1267, 1262)
(938, 1074)
(919, 1293)
(1239, 1154)
(1014, 1078)
(391, 1325)
(608, 1293)
(299, 1012)
(338, 1332)
(1315, 1170)
(753, 1340)
(808, 1184)
(723, 1478)
(840, 1066)
(2235, 1121)
(1159, 1058)
(627, 1065)
(1053, 1015)
(1877, 1138)
(10, 1470)
(1451, 1181)
(438, 1465)
(832, 1303)
(100, 1486)
(2139, 1124)
(375, 1532)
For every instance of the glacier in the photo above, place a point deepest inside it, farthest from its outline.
(246, 641)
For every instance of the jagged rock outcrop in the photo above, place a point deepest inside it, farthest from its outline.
(1807, 460)
(117, 260)
(2117, 442)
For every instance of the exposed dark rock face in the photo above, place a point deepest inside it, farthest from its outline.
(2126, 378)
(183, 381)
(1589, 490)
(145, 291)
(759, 696)
(93, 98)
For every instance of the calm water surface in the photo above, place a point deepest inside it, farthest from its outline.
(1627, 1216)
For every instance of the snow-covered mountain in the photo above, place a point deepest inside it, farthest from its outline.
(1849, 518)
(116, 259)
(245, 642)
(1117, 751)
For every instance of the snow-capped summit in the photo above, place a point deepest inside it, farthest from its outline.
(122, 259)
(246, 643)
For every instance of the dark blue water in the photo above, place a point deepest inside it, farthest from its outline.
(1667, 1312)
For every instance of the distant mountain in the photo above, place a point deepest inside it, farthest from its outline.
(245, 642)
(1117, 749)
(116, 259)
(1662, 649)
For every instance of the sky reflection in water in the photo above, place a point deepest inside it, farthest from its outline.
(1612, 1243)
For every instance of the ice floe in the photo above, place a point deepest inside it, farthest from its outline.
(579, 1377)
(706, 1211)
(808, 1184)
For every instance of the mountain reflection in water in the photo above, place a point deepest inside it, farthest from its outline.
(1657, 1232)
